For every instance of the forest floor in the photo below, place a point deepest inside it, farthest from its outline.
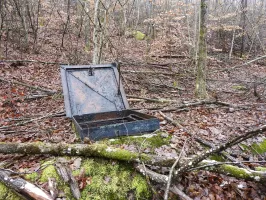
(29, 115)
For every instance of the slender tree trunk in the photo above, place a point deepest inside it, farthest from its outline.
(201, 91)
(243, 24)
(87, 24)
(66, 24)
(96, 34)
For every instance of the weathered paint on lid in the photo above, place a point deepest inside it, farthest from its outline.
(92, 89)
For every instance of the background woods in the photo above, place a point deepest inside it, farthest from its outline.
(197, 65)
(235, 25)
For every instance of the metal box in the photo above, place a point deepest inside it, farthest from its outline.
(95, 100)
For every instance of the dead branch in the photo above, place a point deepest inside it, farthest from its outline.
(172, 171)
(152, 100)
(184, 104)
(36, 96)
(244, 64)
(170, 56)
(65, 173)
(133, 63)
(179, 192)
(27, 85)
(228, 169)
(147, 72)
(58, 114)
(32, 61)
(175, 123)
(104, 151)
(201, 141)
(195, 161)
(159, 178)
(22, 187)
(92, 150)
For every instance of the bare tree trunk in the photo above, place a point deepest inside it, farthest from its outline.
(96, 34)
(138, 13)
(87, 24)
(66, 24)
(243, 25)
(201, 91)
(22, 13)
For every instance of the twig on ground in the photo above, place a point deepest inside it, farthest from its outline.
(36, 96)
(152, 100)
(184, 105)
(194, 162)
(199, 140)
(32, 61)
(172, 171)
(161, 66)
(147, 72)
(179, 192)
(170, 109)
(244, 64)
(27, 85)
(170, 56)
(256, 152)
(58, 114)
(215, 163)
(159, 178)
(171, 120)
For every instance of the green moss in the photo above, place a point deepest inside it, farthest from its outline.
(32, 176)
(7, 193)
(49, 172)
(239, 87)
(216, 157)
(259, 147)
(235, 171)
(255, 147)
(112, 180)
(263, 169)
(151, 141)
(104, 150)
(141, 187)
(245, 147)
(139, 35)
(105, 179)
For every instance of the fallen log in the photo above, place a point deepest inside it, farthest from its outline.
(109, 152)
(86, 150)
(22, 187)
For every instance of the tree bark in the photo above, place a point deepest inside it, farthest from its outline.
(104, 151)
(201, 91)
(96, 34)
(243, 24)
(86, 150)
(22, 187)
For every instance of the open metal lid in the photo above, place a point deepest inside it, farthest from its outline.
(92, 89)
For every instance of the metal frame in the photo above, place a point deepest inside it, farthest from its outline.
(64, 71)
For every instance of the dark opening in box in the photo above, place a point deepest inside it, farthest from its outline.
(114, 124)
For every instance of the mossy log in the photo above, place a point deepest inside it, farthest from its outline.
(231, 170)
(109, 152)
(86, 150)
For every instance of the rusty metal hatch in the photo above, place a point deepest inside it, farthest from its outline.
(97, 104)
